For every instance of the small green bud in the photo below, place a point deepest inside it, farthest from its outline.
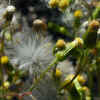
(60, 56)
(90, 36)
(62, 29)
(96, 13)
(8, 36)
(50, 25)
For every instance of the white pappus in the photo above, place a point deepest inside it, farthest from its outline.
(30, 53)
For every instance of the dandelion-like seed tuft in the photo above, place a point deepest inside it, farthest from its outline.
(31, 53)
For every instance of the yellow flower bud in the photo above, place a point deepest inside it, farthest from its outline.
(53, 3)
(60, 43)
(63, 4)
(79, 41)
(84, 88)
(81, 79)
(4, 60)
(68, 79)
(60, 56)
(58, 73)
(78, 13)
(6, 84)
(9, 97)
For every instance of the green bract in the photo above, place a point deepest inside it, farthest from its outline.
(96, 13)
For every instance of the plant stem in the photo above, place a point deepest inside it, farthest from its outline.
(55, 61)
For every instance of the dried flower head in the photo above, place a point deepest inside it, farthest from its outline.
(31, 53)
(46, 90)
(39, 25)
(11, 9)
(94, 24)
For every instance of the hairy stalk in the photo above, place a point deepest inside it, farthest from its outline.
(77, 73)
(82, 62)
(9, 2)
(55, 61)
(2, 66)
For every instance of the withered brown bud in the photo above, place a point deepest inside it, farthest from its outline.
(9, 12)
(94, 24)
(95, 3)
(93, 51)
(39, 25)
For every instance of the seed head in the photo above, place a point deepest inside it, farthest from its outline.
(31, 53)
(9, 12)
(94, 24)
(11, 9)
(39, 25)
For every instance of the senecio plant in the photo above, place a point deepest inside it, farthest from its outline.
(35, 57)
